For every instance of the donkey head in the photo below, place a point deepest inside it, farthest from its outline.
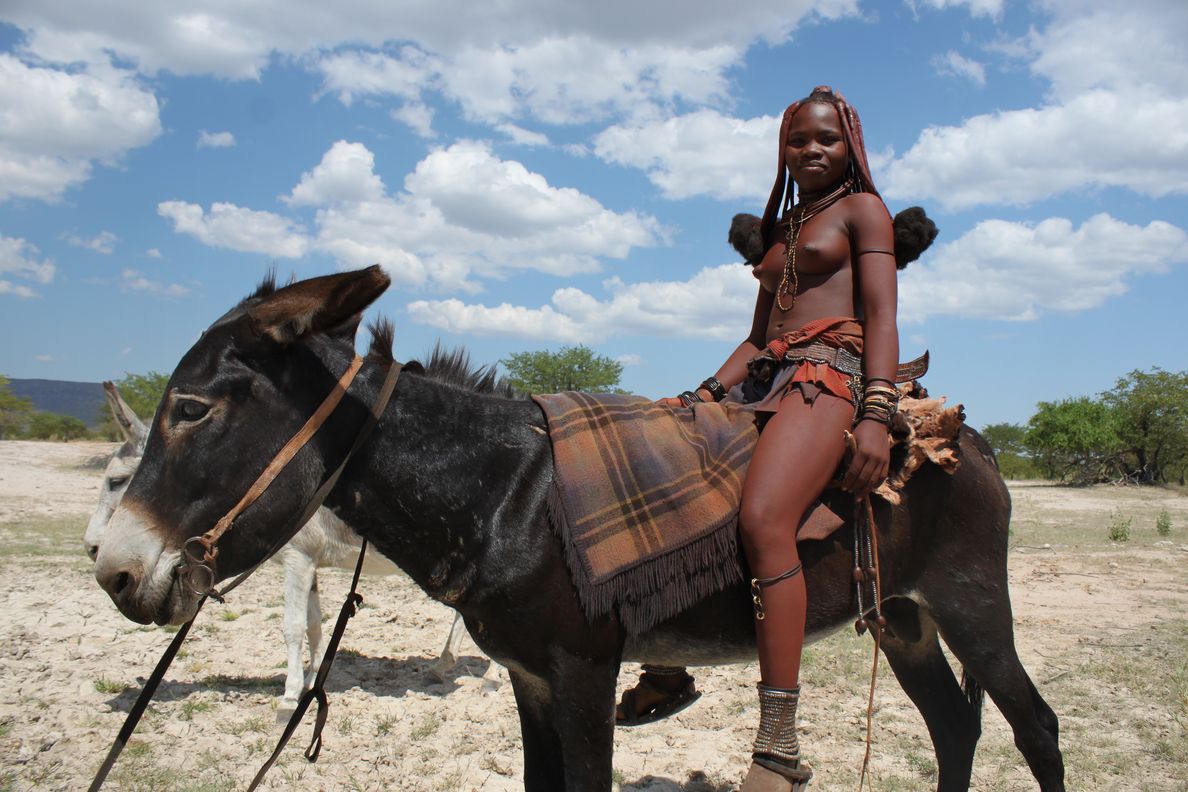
(119, 469)
(237, 396)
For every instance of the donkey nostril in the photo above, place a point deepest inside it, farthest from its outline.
(120, 583)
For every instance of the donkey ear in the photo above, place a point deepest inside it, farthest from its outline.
(133, 429)
(318, 304)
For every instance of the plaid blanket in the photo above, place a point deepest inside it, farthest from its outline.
(646, 500)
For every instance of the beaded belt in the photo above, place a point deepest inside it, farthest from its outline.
(849, 363)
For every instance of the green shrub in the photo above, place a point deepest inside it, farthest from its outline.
(1120, 527)
(1163, 523)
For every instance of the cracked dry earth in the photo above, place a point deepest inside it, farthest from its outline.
(1101, 628)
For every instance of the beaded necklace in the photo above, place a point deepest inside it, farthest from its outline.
(801, 214)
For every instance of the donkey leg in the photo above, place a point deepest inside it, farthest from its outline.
(299, 577)
(914, 654)
(449, 653)
(583, 692)
(980, 633)
(313, 631)
(544, 770)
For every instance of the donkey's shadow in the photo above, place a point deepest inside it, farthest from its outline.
(379, 676)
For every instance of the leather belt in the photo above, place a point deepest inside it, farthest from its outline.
(849, 363)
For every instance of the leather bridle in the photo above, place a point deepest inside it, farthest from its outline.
(198, 567)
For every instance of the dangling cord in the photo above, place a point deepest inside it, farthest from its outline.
(880, 621)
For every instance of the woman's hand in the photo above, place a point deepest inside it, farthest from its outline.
(871, 460)
(670, 401)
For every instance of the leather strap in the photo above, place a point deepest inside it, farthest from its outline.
(290, 449)
(142, 701)
(317, 691)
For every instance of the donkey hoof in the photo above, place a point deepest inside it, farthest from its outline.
(284, 710)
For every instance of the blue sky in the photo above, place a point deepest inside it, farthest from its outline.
(536, 173)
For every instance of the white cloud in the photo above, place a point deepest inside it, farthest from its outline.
(153, 253)
(1116, 116)
(215, 139)
(463, 212)
(1137, 140)
(55, 125)
(346, 174)
(700, 153)
(138, 281)
(44, 358)
(235, 228)
(1017, 271)
(715, 303)
(990, 8)
(416, 116)
(8, 287)
(630, 359)
(522, 137)
(103, 242)
(562, 62)
(954, 64)
(18, 258)
(354, 73)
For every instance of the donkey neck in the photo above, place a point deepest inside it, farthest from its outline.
(442, 472)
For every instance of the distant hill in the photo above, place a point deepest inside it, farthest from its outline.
(83, 400)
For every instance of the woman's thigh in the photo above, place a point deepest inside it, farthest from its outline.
(795, 458)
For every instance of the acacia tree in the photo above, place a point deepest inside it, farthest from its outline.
(576, 368)
(1075, 440)
(1151, 414)
(1010, 449)
(14, 411)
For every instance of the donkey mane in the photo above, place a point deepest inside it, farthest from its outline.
(453, 367)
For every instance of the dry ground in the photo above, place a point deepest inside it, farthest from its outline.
(1100, 627)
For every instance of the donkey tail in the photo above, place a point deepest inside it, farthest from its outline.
(975, 694)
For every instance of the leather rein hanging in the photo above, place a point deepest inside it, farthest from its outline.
(198, 571)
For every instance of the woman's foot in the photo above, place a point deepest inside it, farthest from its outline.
(656, 696)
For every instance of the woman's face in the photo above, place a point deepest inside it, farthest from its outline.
(815, 149)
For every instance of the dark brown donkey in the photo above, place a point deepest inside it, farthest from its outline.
(452, 486)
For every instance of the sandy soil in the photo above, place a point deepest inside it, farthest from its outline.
(1085, 614)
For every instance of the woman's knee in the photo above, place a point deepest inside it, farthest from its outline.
(764, 530)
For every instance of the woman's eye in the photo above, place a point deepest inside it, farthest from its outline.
(190, 410)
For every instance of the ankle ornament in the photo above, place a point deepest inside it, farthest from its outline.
(777, 747)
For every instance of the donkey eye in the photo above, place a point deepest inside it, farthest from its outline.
(115, 482)
(189, 410)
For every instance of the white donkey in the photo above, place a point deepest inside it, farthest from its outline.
(324, 541)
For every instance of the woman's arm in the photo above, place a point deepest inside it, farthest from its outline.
(872, 241)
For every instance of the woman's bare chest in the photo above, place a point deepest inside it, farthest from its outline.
(822, 250)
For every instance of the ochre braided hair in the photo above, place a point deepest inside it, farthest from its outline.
(781, 198)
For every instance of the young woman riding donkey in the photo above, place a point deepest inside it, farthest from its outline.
(458, 488)
(827, 292)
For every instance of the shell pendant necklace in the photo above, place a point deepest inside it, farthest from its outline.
(801, 214)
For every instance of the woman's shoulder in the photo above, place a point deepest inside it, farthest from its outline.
(866, 208)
